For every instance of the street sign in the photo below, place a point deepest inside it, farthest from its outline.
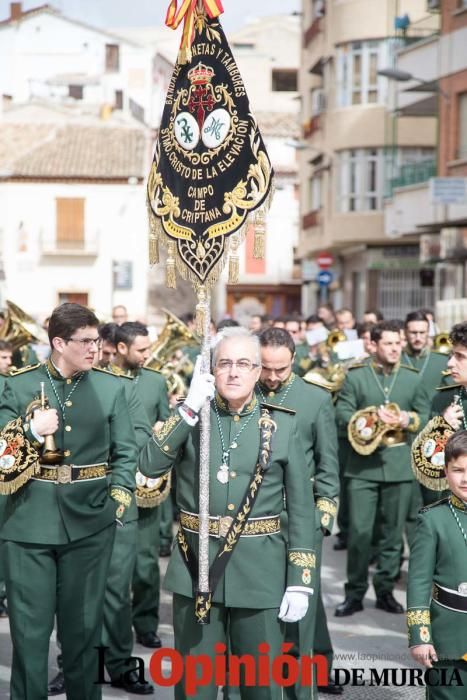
(324, 278)
(324, 260)
(448, 190)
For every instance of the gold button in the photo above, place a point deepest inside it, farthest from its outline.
(231, 506)
(68, 403)
(236, 418)
(166, 448)
(26, 426)
(233, 474)
(271, 393)
(68, 381)
(68, 428)
(67, 453)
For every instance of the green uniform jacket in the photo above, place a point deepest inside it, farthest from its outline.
(430, 365)
(317, 432)
(141, 425)
(438, 555)
(260, 567)
(444, 396)
(99, 431)
(360, 390)
(151, 389)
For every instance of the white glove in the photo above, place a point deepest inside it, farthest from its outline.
(294, 606)
(201, 387)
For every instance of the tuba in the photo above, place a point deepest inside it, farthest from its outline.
(366, 432)
(335, 336)
(173, 336)
(331, 377)
(20, 329)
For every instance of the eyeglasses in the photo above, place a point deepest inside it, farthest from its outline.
(86, 342)
(243, 366)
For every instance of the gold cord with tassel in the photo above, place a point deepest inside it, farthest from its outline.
(234, 266)
(171, 279)
(201, 310)
(153, 238)
(259, 245)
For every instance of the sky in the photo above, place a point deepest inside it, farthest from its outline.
(134, 13)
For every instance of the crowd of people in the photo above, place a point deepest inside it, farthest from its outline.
(311, 423)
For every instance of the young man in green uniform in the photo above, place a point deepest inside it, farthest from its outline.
(380, 483)
(302, 360)
(437, 584)
(263, 577)
(59, 526)
(133, 350)
(278, 385)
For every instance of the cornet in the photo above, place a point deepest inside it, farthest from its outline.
(50, 453)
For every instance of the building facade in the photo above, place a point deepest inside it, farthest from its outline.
(351, 152)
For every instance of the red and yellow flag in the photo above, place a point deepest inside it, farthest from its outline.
(187, 12)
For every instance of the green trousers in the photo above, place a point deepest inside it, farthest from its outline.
(146, 575)
(117, 632)
(310, 636)
(68, 580)
(451, 691)
(343, 511)
(2, 566)
(369, 501)
(241, 629)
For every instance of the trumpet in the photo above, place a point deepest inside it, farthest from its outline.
(50, 454)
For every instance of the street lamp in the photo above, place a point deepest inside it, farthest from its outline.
(402, 76)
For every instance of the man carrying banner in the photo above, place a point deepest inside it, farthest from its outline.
(255, 456)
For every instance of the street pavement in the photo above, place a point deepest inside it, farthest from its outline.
(370, 639)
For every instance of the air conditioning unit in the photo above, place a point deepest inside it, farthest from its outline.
(433, 5)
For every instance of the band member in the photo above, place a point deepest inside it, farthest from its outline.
(383, 394)
(255, 450)
(60, 518)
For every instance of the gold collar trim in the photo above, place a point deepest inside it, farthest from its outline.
(222, 405)
(457, 503)
(55, 374)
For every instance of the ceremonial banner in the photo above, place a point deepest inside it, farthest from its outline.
(210, 168)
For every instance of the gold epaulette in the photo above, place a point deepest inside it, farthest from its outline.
(433, 505)
(446, 372)
(357, 365)
(112, 374)
(448, 386)
(28, 368)
(274, 407)
(314, 382)
(414, 369)
(151, 369)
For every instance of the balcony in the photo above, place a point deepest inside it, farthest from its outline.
(311, 219)
(85, 248)
(313, 30)
(312, 125)
(414, 174)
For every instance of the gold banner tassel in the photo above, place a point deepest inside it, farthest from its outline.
(234, 262)
(171, 279)
(153, 237)
(259, 245)
(201, 310)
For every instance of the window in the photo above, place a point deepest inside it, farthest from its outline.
(70, 223)
(118, 99)
(75, 91)
(284, 80)
(73, 298)
(462, 121)
(318, 9)
(360, 179)
(315, 193)
(357, 72)
(112, 58)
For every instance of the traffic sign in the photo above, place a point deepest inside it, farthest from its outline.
(324, 278)
(324, 260)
